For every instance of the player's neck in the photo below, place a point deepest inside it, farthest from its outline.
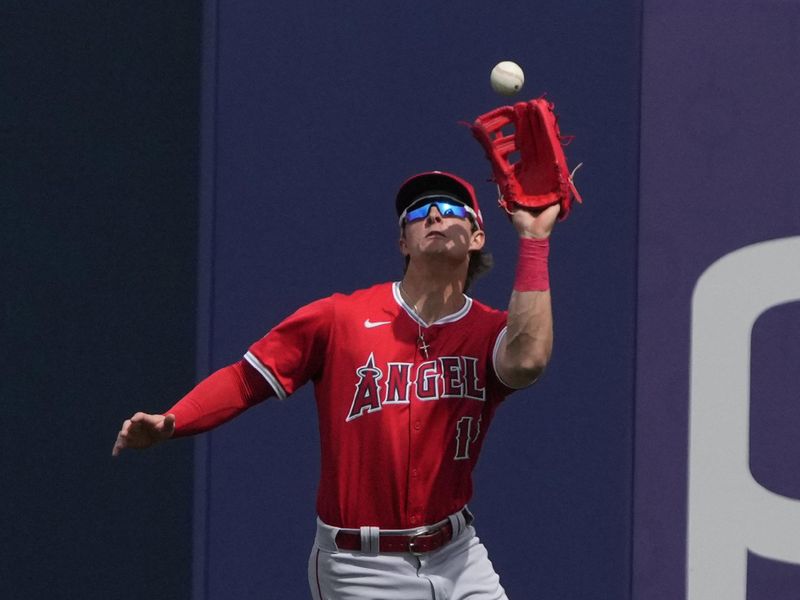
(433, 295)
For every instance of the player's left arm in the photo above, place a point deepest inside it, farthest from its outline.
(525, 349)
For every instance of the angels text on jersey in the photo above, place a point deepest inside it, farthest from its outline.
(398, 382)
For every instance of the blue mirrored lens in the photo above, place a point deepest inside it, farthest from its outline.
(446, 209)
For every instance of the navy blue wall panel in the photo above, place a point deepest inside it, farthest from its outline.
(314, 114)
(98, 189)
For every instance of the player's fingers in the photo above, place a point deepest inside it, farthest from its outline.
(119, 444)
(143, 430)
(549, 211)
(550, 215)
(552, 211)
(147, 422)
(168, 425)
(129, 429)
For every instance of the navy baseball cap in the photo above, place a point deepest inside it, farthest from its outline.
(432, 182)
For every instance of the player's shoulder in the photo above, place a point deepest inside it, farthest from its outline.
(341, 304)
(484, 318)
(482, 310)
(374, 295)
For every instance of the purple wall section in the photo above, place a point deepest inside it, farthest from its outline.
(720, 140)
(680, 273)
(314, 113)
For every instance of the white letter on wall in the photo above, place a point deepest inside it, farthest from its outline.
(729, 511)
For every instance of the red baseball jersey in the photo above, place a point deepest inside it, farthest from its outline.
(400, 431)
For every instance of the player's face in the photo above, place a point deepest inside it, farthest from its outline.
(441, 236)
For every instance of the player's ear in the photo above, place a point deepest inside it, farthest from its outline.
(402, 242)
(477, 240)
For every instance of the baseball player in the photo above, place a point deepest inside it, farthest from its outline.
(407, 376)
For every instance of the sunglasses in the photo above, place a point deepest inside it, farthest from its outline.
(447, 207)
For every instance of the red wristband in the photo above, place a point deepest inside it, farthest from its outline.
(532, 273)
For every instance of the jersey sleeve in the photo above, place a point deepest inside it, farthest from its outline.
(293, 352)
(219, 398)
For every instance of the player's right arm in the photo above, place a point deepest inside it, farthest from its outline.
(276, 365)
(215, 400)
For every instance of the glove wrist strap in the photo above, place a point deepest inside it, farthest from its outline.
(532, 272)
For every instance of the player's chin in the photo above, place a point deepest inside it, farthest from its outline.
(452, 254)
(439, 247)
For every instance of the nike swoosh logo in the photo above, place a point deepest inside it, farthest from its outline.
(370, 324)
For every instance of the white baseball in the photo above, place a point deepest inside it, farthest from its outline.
(507, 78)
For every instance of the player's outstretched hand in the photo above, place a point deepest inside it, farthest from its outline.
(143, 430)
(535, 223)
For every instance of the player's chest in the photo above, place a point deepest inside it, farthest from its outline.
(394, 363)
(399, 339)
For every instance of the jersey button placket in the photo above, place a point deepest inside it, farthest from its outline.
(414, 491)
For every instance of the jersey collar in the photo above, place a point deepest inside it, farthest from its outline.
(459, 314)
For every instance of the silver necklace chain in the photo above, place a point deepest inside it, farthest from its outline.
(422, 344)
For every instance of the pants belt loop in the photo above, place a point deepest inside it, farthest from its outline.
(470, 518)
(370, 540)
(458, 523)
